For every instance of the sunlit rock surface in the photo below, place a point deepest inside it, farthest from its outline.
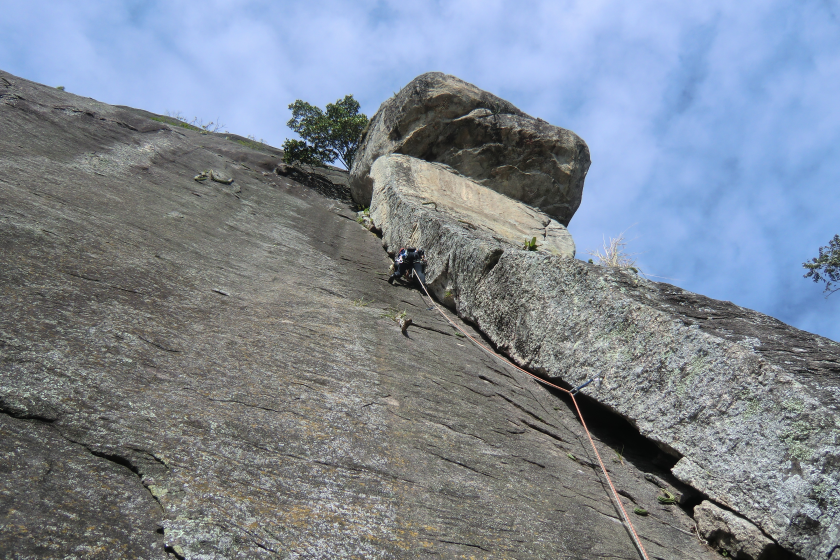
(419, 191)
(441, 118)
(747, 405)
(201, 370)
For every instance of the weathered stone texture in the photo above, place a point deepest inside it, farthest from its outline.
(748, 405)
(733, 535)
(463, 202)
(189, 370)
(47, 498)
(440, 118)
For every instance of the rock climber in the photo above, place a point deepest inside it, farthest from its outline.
(409, 259)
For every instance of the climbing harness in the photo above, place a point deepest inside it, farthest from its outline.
(409, 264)
(571, 393)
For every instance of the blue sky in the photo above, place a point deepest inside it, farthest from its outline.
(714, 128)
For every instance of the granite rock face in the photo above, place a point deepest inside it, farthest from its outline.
(733, 534)
(188, 371)
(456, 199)
(440, 118)
(747, 405)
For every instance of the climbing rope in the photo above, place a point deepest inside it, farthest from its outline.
(571, 393)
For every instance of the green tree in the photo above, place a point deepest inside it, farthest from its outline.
(826, 266)
(298, 151)
(328, 135)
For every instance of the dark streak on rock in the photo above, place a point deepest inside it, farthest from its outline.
(158, 345)
(465, 544)
(460, 464)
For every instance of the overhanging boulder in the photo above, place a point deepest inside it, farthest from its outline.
(748, 404)
(441, 118)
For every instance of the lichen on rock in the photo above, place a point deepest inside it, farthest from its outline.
(749, 424)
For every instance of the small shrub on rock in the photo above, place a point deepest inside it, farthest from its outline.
(615, 254)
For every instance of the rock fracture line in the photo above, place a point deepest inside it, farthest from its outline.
(637, 541)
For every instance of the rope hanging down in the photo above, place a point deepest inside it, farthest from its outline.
(571, 393)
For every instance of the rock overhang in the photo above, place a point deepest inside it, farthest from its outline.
(747, 424)
(440, 118)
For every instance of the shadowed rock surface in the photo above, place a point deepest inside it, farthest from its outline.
(203, 370)
(747, 404)
(440, 118)
(734, 534)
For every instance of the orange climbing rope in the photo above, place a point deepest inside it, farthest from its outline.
(635, 535)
